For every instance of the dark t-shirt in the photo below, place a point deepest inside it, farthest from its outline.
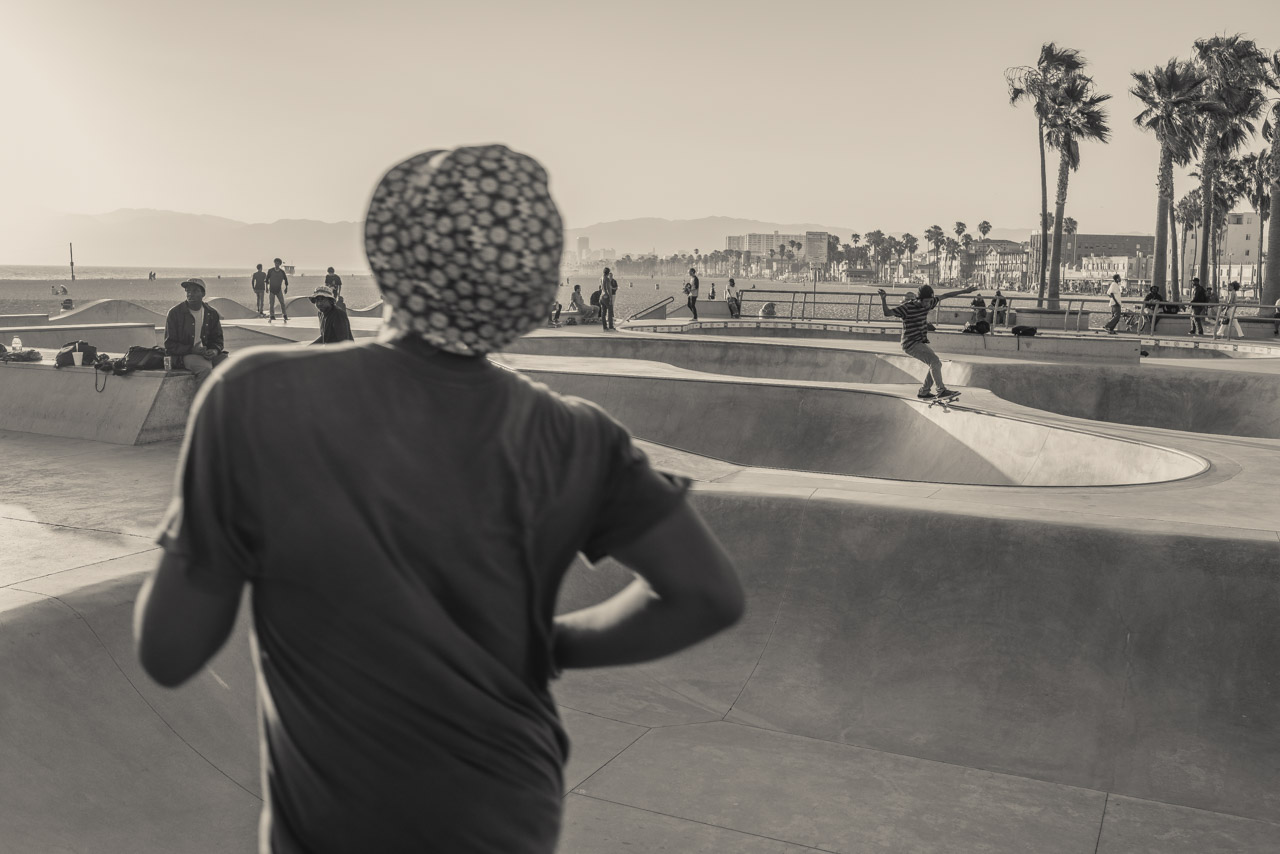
(259, 280)
(333, 280)
(404, 551)
(275, 278)
(693, 286)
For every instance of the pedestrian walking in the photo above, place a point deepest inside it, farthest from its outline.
(1199, 304)
(1114, 292)
(1227, 322)
(691, 292)
(258, 282)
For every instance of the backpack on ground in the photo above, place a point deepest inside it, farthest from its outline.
(139, 359)
(1023, 331)
(66, 358)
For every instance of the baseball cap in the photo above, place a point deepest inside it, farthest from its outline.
(197, 283)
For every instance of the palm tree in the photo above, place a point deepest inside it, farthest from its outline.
(1234, 70)
(1271, 130)
(909, 245)
(1188, 214)
(1257, 185)
(1171, 96)
(1074, 114)
(893, 250)
(953, 251)
(875, 240)
(984, 228)
(935, 237)
(1036, 84)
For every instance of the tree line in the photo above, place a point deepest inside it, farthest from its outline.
(1203, 109)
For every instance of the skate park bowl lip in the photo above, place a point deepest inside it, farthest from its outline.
(1220, 396)
(850, 429)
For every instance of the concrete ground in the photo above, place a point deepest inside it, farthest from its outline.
(924, 666)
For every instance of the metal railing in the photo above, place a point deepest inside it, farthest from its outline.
(1080, 312)
(657, 304)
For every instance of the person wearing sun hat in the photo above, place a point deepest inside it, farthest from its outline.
(404, 607)
(334, 325)
(193, 332)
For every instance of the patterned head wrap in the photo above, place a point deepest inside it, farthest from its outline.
(465, 245)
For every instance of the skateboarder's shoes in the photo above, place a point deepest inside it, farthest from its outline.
(947, 394)
(925, 395)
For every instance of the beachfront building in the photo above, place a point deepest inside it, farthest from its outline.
(1240, 251)
(813, 244)
(1100, 247)
(584, 248)
(1000, 263)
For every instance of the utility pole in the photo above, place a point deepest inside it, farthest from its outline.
(72, 247)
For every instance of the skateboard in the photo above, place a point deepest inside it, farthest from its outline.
(946, 400)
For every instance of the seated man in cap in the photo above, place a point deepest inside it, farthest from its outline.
(193, 332)
(334, 325)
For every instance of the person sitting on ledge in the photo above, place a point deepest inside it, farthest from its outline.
(404, 610)
(334, 325)
(193, 332)
(587, 313)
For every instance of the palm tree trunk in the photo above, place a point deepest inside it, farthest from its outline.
(1271, 272)
(1164, 204)
(1208, 166)
(1215, 264)
(1044, 215)
(1060, 204)
(1175, 271)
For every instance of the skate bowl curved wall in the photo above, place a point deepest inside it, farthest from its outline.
(1095, 657)
(1169, 397)
(865, 433)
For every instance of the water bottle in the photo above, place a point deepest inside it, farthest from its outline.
(168, 363)
(16, 343)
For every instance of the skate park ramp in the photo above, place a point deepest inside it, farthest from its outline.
(110, 311)
(851, 430)
(877, 696)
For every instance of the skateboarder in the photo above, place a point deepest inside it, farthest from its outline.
(278, 284)
(914, 314)
(404, 608)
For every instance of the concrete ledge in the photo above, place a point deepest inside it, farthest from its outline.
(143, 407)
(107, 337)
(7, 320)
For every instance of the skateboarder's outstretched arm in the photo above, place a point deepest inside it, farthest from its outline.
(959, 293)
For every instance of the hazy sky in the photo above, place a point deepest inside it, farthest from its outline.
(888, 115)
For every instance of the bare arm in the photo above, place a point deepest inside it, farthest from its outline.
(958, 293)
(884, 303)
(178, 627)
(686, 590)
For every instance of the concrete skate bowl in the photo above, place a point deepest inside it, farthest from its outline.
(1170, 397)
(945, 697)
(863, 433)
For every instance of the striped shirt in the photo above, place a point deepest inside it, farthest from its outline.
(915, 314)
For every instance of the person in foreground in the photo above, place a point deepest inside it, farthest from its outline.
(193, 333)
(914, 314)
(335, 327)
(403, 613)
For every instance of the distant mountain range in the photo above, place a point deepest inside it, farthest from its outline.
(171, 239)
